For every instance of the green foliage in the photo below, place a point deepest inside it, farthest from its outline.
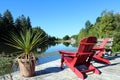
(8, 17)
(22, 24)
(66, 44)
(66, 37)
(116, 44)
(5, 65)
(81, 34)
(106, 25)
(88, 25)
(6, 23)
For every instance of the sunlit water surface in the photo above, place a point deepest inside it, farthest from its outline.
(52, 53)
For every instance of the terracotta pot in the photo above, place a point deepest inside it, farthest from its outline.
(27, 67)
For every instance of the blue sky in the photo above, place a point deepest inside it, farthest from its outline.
(59, 17)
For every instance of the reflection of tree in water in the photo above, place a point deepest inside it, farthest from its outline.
(44, 46)
(75, 45)
(66, 44)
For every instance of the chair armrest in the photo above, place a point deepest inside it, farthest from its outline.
(84, 43)
(97, 48)
(67, 53)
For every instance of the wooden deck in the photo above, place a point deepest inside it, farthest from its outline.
(51, 71)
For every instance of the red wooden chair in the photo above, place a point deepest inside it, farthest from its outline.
(80, 62)
(100, 51)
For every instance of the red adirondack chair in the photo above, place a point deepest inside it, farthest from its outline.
(100, 51)
(80, 62)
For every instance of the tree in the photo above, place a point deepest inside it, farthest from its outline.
(87, 25)
(66, 37)
(6, 23)
(117, 22)
(8, 20)
(1, 22)
(1, 26)
(8, 16)
(23, 24)
(28, 23)
(18, 25)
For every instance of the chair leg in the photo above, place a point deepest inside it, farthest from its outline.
(61, 66)
(96, 71)
(103, 60)
(75, 70)
(78, 73)
(62, 60)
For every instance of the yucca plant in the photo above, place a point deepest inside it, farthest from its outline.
(26, 43)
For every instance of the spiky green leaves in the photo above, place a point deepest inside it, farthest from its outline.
(25, 42)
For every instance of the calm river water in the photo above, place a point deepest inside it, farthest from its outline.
(52, 53)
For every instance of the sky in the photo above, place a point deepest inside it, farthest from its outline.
(59, 17)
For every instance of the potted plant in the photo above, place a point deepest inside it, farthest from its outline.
(26, 42)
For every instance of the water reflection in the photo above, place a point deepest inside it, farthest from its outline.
(46, 45)
(52, 53)
(53, 46)
(66, 44)
(59, 47)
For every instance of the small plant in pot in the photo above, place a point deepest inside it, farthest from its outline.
(26, 43)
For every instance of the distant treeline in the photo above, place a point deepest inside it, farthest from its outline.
(106, 25)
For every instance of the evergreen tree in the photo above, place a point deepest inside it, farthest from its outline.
(8, 15)
(1, 22)
(7, 21)
(1, 26)
(23, 23)
(18, 24)
(87, 25)
(28, 23)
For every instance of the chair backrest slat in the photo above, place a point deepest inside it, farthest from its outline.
(85, 53)
(87, 44)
